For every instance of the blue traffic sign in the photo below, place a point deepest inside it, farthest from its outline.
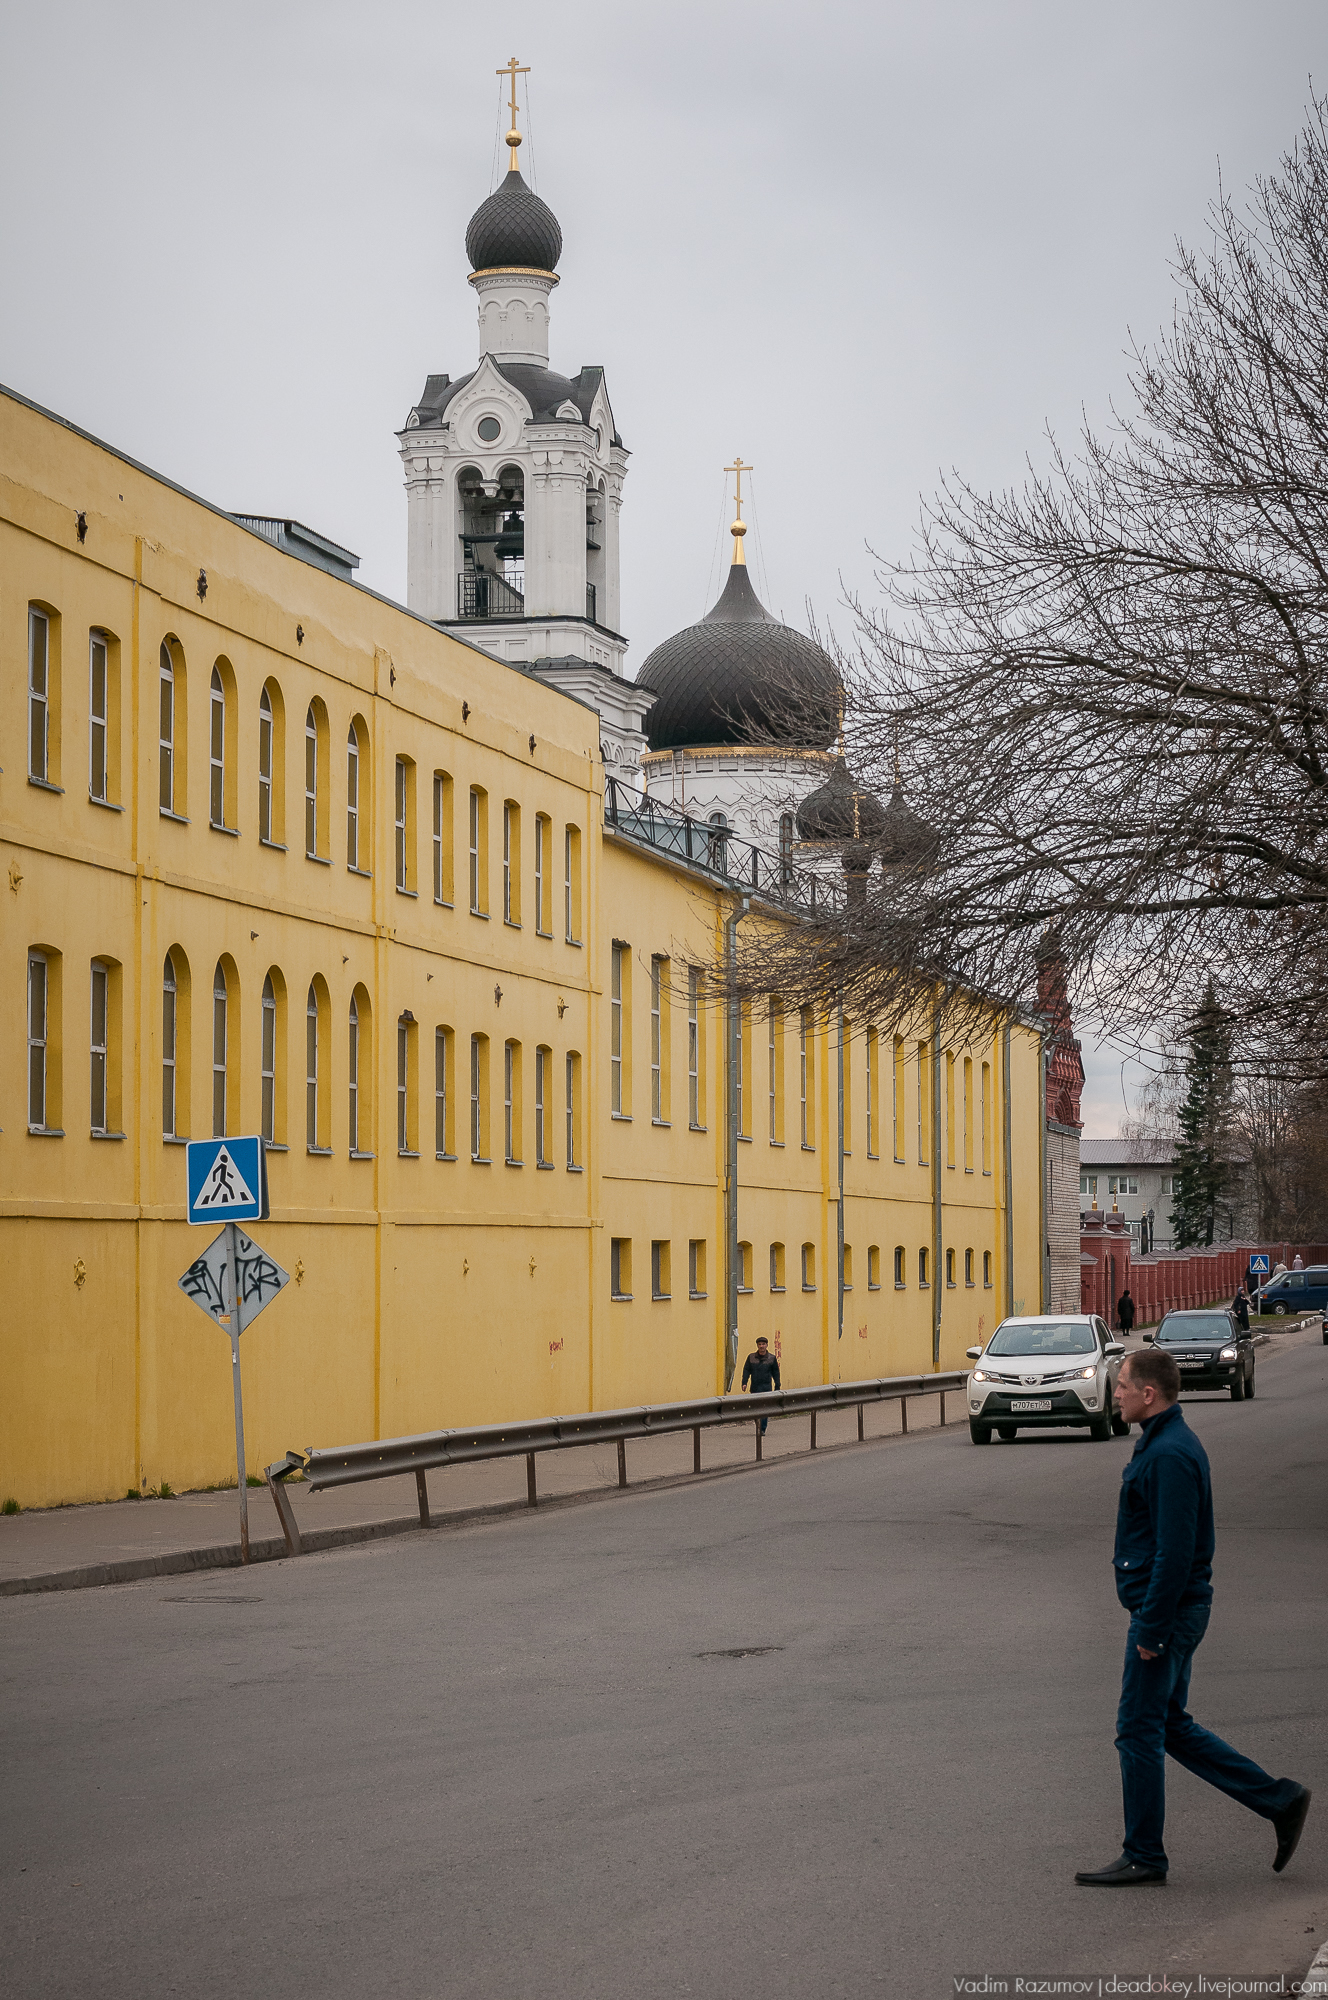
(1261, 1261)
(227, 1180)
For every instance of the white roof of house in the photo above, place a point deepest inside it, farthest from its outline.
(1126, 1153)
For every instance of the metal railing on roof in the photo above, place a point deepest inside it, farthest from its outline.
(482, 594)
(710, 845)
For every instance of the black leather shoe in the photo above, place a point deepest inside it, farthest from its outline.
(1288, 1827)
(1122, 1874)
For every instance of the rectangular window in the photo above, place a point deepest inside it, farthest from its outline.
(620, 1267)
(949, 1270)
(572, 883)
(353, 803)
(986, 1269)
(38, 984)
(217, 753)
(695, 1091)
(809, 1267)
(479, 1098)
(659, 1270)
(846, 1268)
(659, 983)
(265, 767)
(806, 1079)
(311, 1073)
(899, 1269)
(696, 1268)
(442, 1093)
(924, 1102)
(968, 1114)
(310, 786)
(39, 695)
(923, 1280)
(874, 1268)
(775, 1055)
(98, 713)
(100, 1014)
(511, 862)
(543, 1059)
(573, 1111)
(403, 1084)
(353, 1076)
(744, 1267)
(776, 1267)
(949, 1108)
(619, 1033)
(897, 1108)
(968, 1267)
(986, 1117)
(479, 858)
(873, 1087)
(543, 875)
(442, 838)
(512, 1103)
(404, 825)
(268, 1064)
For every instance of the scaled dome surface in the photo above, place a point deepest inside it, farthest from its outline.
(740, 677)
(514, 228)
(841, 809)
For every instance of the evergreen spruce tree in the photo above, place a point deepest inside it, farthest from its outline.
(1203, 1156)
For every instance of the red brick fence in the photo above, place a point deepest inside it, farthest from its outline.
(1167, 1281)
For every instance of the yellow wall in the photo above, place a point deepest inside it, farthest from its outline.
(429, 1292)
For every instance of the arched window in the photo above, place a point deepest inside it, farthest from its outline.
(352, 799)
(354, 1075)
(265, 766)
(217, 752)
(269, 1060)
(169, 998)
(786, 847)
(166, 731)
(311, 1071)
(718, 842)
(219, 1011)
(311, 783)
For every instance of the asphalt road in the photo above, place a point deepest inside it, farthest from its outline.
(522, 1759)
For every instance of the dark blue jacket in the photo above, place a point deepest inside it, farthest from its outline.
(1164, 1528)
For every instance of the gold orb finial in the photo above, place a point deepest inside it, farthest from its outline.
(513, 139)
(738, 528)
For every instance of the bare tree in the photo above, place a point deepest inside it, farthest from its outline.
(1108, 690)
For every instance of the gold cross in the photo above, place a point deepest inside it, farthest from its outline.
(513, 69)
(738, 467)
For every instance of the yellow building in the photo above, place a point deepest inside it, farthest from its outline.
(282, 856)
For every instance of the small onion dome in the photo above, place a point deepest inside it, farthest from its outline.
(841, 810)
(906, 841)
(514, 228)
(740, 677)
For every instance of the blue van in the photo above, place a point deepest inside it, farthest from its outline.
(1297, 1291)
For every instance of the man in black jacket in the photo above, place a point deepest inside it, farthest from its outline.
(1125, 1312)
(1163, 1562)
(762, 1371)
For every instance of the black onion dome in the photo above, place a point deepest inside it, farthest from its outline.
(840, 809)
(514, 227)
(740, 677)
(906, 841)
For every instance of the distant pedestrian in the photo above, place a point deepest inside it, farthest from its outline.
(1297, 1262)
(1125, 1312)
(1240, 1305)
(1164, 1567)
(761, 1370)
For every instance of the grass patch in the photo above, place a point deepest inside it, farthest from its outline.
(163, 1492)
(11, 1506)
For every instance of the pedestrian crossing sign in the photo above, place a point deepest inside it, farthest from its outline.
(1261, 1262)
(227, 1180)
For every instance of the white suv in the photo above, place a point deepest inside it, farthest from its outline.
(1053, 1370)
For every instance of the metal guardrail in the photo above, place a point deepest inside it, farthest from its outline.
(651, 822)
(388, 1458)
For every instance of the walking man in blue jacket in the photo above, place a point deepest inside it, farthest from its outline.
(1164, 1566)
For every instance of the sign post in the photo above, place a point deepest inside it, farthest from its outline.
(227, 1182)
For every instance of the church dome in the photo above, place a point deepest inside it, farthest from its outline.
(906, 841)
(740, 677)
(841, 809)
(514, 228)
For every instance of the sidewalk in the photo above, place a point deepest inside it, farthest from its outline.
(122, 1541)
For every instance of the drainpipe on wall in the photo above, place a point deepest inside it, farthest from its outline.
(733, 1026)
(1009, 1183)
(937, 1182)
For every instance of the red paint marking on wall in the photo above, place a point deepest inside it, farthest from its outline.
(777, 1344)
(862, 1333)
(555, 1346)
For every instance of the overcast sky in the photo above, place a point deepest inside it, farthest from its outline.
(859, 244)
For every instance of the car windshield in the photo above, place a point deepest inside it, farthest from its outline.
(1043, 1336)
(1195, 1326)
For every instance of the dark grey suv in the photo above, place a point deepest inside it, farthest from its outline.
(1211, 1349)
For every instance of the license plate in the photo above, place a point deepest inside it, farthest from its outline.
(1030, 1409)
(1194, 1364)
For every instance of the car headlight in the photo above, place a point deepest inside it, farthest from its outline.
(1088, 1373)
(979, 1374)
(1228, 1354)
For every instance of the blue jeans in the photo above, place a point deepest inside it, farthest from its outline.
(1152, 1725)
